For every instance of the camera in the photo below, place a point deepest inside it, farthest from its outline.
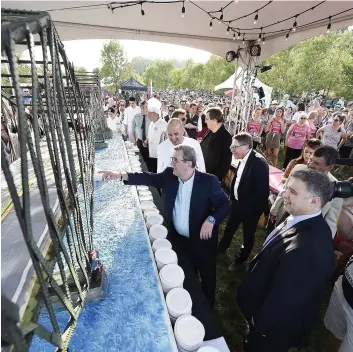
(342, 189)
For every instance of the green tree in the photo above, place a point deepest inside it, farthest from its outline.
(115, 68)
(80, 70)
(160, 73)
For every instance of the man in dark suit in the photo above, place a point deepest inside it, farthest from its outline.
(249, 194)
(192, 122)
(194, 207)
(215, 144)
(280, 296)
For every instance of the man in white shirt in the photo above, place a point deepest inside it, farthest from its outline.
(166, 150)
(156, 134)
(130, 113)
(249, 194)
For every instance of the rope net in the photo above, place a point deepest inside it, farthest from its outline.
(58, 114)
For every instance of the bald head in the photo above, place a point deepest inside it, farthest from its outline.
(175, 131)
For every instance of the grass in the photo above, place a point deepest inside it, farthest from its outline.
(230, 319)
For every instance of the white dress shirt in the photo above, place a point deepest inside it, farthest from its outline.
(156, 134)
(129, 115)
(291, 221)
(241, 167)
(166, 151)
(181, 211)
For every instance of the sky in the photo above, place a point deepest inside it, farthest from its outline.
(86, 53)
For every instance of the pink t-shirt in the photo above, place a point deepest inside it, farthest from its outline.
(254, 127)
(297, 136)
(275, 126)
(313, 130)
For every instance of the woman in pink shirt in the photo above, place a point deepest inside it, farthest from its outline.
(275, 128)
(255, 127)
(296, 137)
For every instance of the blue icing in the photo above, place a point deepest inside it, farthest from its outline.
(131, 316)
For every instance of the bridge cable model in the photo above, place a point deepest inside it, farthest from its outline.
(63, 113)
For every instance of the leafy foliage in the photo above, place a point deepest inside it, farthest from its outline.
(320, 64)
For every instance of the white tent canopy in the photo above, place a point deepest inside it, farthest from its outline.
(228, 84)
(163, 22)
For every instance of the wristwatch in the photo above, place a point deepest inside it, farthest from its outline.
(212, 220)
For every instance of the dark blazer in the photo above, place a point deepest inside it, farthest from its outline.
(254, 186)
(194, 121)
(216, 152)
(282, 289)
(208, 198)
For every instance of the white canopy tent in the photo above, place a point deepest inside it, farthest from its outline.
(229, 83)
(163, 22)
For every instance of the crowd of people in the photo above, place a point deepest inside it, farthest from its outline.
(193, 159)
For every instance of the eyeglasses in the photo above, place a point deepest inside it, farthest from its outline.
(234, 147)
(303, 118)
(175, 160)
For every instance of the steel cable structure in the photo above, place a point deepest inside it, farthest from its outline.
(58, 105)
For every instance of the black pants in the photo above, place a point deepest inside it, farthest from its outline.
(143, 150)
(152, 165)
(196, 262)
(239, 216)
(255, 342)
(290, 155)
(202, 293)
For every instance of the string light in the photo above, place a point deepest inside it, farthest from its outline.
(243, 39)
(263, 40)
(234, 36)
(260, 35)
(118, 5)
(256, 17)
(295, 24)
(329, 25)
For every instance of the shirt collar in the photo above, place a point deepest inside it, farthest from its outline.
(294, 219)
(246, 157)
(190, 180)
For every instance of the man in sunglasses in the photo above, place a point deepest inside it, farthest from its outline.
(171, 109)
(194, 207)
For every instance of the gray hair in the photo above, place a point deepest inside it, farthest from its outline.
(189, 153)
(317, 183)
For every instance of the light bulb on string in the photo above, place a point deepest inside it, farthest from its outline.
(183, 10)
(287, 36)
(256, 17)
(142, 12)
(228, 30)
(243, 39)
(263, 40)
(259, 38)
(295, 24)
(234, 36)
(210, 25)
(238, 35)
(329, 25)
(221, 17)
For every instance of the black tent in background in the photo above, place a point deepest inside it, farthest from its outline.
(132, 84)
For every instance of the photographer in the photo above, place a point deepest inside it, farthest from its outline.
(339, 315)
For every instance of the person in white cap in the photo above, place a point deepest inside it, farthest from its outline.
(157, 131)
(130, 113)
